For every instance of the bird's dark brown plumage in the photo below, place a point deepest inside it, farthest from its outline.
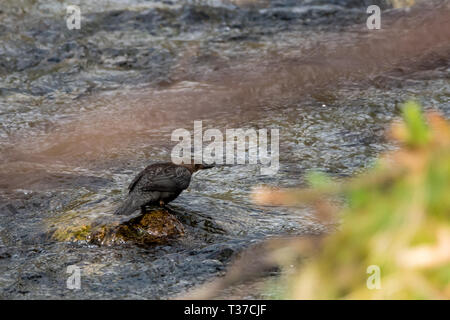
(157, 184)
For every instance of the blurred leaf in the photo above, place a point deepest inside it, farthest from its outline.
(318, 179)
(417, 129)
(396, 217)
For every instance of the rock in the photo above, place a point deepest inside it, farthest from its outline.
(154, 227)
(72, 233)
(222, 255)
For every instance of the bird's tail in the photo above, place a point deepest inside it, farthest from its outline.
(130, 205)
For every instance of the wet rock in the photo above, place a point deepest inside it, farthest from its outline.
(72, 233)
(4, 254)
(213, 264)
(153, 227)
(222, 255)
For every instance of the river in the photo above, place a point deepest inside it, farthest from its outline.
(83, 111)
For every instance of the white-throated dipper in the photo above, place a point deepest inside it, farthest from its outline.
(158, 184)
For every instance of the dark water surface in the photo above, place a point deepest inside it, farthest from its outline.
(82, 111)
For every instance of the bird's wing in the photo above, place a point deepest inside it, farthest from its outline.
(135, 181)
(171, 179)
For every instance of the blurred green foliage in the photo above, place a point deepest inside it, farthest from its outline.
(396, 219)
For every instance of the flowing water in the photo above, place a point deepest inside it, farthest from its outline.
(83, 111)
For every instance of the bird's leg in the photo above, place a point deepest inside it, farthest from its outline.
(161, 203)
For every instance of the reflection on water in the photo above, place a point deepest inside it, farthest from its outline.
(81, 114)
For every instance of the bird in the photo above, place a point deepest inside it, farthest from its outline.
(158, 184)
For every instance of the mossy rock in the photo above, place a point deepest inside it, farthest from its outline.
(72, 233)
(153, 227)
